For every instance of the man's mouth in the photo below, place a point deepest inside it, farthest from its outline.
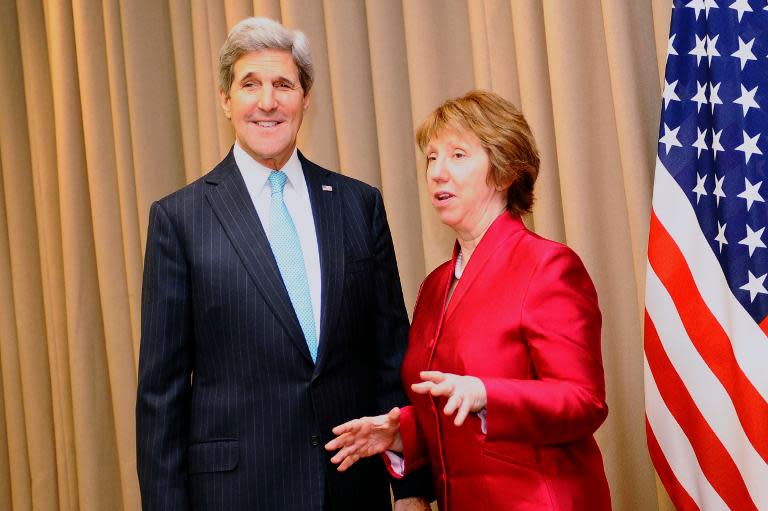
(266, 124)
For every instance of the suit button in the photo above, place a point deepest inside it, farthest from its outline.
(314, 440)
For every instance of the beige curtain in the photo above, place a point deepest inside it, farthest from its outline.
(107, 105)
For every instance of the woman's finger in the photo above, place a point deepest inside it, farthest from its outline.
(339, 441)
(343, 454)
(435, 376)
(453, 403)
(347, 427)
(461, 415)
(348, 462)
(445, 388)
(394, 415)
(422, 388)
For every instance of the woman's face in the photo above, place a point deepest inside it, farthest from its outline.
(457, 180)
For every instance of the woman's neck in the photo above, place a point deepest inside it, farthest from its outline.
(468, 241)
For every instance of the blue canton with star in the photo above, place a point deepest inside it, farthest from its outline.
(713, 136)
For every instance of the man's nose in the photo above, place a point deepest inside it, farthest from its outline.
(266, 99)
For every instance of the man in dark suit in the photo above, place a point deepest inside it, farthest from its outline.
(271, 311)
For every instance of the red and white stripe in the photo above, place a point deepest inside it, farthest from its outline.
(706, 368)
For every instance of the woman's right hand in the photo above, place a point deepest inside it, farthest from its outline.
(366, 436)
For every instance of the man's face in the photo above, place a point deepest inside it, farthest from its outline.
(266, 104)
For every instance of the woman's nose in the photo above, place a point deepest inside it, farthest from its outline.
(437, 170)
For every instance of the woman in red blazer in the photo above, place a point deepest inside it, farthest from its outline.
(503, 366)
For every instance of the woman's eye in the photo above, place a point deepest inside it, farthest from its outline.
(431, 157)
(459, 155)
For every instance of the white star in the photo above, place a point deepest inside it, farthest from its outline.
(709, 4)
(720, 238)
(699, 50)
(669, 93)
(670, 48)
(716, 143)
(754, 286)
(751, 193)
(714, 98)
(670, 138)
(712, 48)
(700, 143)
(753, 240)
(701, 95)
(749, 146)
(747, 99)
(741, 6)
(744, 53)
(696, 5)
(699, 189)
(718, 193)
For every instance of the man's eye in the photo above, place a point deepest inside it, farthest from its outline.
(284, 85)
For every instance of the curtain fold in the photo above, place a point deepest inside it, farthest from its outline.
(108, 105)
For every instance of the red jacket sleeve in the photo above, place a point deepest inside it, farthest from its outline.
(560, 321)
(414, 447)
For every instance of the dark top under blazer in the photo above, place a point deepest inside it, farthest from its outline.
(231, 411)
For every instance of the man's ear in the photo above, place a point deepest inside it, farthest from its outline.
(224, 98)
(306, 101)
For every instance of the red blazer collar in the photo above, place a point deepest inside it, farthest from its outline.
(500, 230)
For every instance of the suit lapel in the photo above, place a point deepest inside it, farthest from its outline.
(325, 197)
(233, 206)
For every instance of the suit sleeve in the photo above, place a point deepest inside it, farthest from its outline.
(390, 317)
(565, 399)
(391, 339)
(162, 407)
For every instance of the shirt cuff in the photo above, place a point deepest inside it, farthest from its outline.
(396, 463)
(483, 427)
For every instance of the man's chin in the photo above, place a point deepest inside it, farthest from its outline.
(269, 157)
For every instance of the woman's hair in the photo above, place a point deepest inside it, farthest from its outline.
(254, 34)
(503, 132)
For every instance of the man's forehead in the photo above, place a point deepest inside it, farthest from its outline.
(267, 61)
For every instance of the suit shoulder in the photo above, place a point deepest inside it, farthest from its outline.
(357, 186)
(354, 187)
(191, 192)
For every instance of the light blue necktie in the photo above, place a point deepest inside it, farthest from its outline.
(286, 247)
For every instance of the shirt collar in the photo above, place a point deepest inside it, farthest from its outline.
(258, 174)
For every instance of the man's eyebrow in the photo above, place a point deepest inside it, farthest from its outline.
(246, 76)
(280, 78)
(285, 79)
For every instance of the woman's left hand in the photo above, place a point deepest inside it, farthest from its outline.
(465, 393)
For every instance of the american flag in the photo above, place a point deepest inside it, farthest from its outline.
(706, 349)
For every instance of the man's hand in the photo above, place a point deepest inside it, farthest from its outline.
(412, 504)
(464, 393)
(366, 436)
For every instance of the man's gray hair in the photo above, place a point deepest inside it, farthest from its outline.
(254, 34)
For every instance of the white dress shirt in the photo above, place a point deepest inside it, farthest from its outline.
(296, 197)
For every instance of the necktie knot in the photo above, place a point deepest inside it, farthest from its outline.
(277, 181)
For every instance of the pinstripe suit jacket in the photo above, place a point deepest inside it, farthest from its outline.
(231, 411)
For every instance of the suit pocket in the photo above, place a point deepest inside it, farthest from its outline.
(218, 455)
(514, 453)
(359, 265)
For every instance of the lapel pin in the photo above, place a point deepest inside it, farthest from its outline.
(327, 188)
